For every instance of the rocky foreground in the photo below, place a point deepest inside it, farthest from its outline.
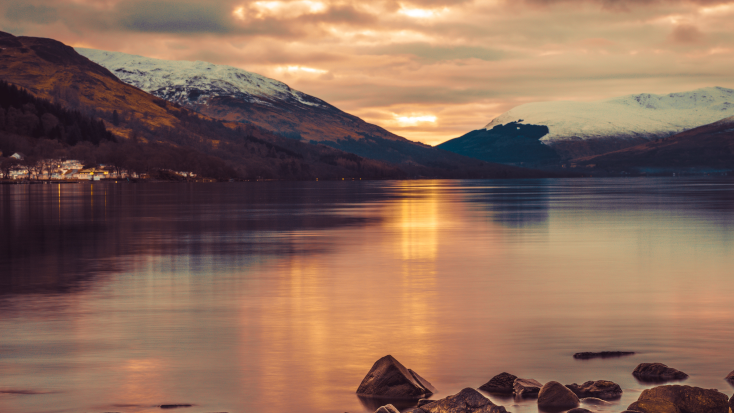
(388, 378)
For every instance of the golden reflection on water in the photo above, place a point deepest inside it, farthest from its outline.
(417, 221)
(346, 314)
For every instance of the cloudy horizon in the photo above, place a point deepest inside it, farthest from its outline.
(428, 70)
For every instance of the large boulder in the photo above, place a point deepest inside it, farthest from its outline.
(554, 395)
(501, 383)
(731, 404)
(601, 389)
(526, 387)
(388, 408)
(465, 401)
(390, 379)
(658, 372)
(730, 377)
(686, 399)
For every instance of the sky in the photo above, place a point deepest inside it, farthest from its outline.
(428, 70)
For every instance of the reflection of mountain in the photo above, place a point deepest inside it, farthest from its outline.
(515, 206)
(58, 237)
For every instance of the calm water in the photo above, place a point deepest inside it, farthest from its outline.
(278, 297)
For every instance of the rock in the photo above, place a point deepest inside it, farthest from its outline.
(686, 399)
(388, 408)
(730, 377)
(414, 410)
(175, 406)
(579, 410)
(526, 387)
(554, 395)
(602, 389)
(658, 371)
(653, 406)
(388, 378)
(421, 402)
(602, 354)
(501, 383)
(594, 401)
(465, 401)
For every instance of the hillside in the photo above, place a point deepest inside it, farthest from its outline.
(706, 147)
(152, 133)
(236, 95)
(577, 129)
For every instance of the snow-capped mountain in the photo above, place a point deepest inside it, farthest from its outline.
(238, 96)
(644, 115)
(549, 133)
(186, 82)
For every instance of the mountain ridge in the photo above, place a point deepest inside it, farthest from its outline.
(582, 129)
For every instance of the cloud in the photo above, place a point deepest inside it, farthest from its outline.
(174, 17)
(436, 53)
(32, 14)
(686, 34)
(462, 61)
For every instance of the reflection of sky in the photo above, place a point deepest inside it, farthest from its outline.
(278, 311)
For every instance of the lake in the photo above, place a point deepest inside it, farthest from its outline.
(279, 297)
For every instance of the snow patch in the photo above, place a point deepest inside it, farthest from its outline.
(195, 82)
(643, 115)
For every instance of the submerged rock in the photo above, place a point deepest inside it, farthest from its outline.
(653, 406)
(501, 383)
(465, 401)
(601, 354)
(579, 410)
(554, 395)
(388, 408)
(602, 389)
(658, 371)
(388, 378)
(526, 387)
(594, 401)
(684, 399)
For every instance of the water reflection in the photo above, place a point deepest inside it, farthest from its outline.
(280, 297)
(514, 206)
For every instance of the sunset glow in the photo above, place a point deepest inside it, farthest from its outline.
(422, 57)
(414, 120)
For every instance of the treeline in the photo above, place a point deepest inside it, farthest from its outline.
(23, 114)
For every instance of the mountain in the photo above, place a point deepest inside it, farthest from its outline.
(236, 95)
(152, 134)
(148, 133)
(708, 147)
(577, 129)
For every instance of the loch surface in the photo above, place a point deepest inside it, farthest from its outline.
(278, 297)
